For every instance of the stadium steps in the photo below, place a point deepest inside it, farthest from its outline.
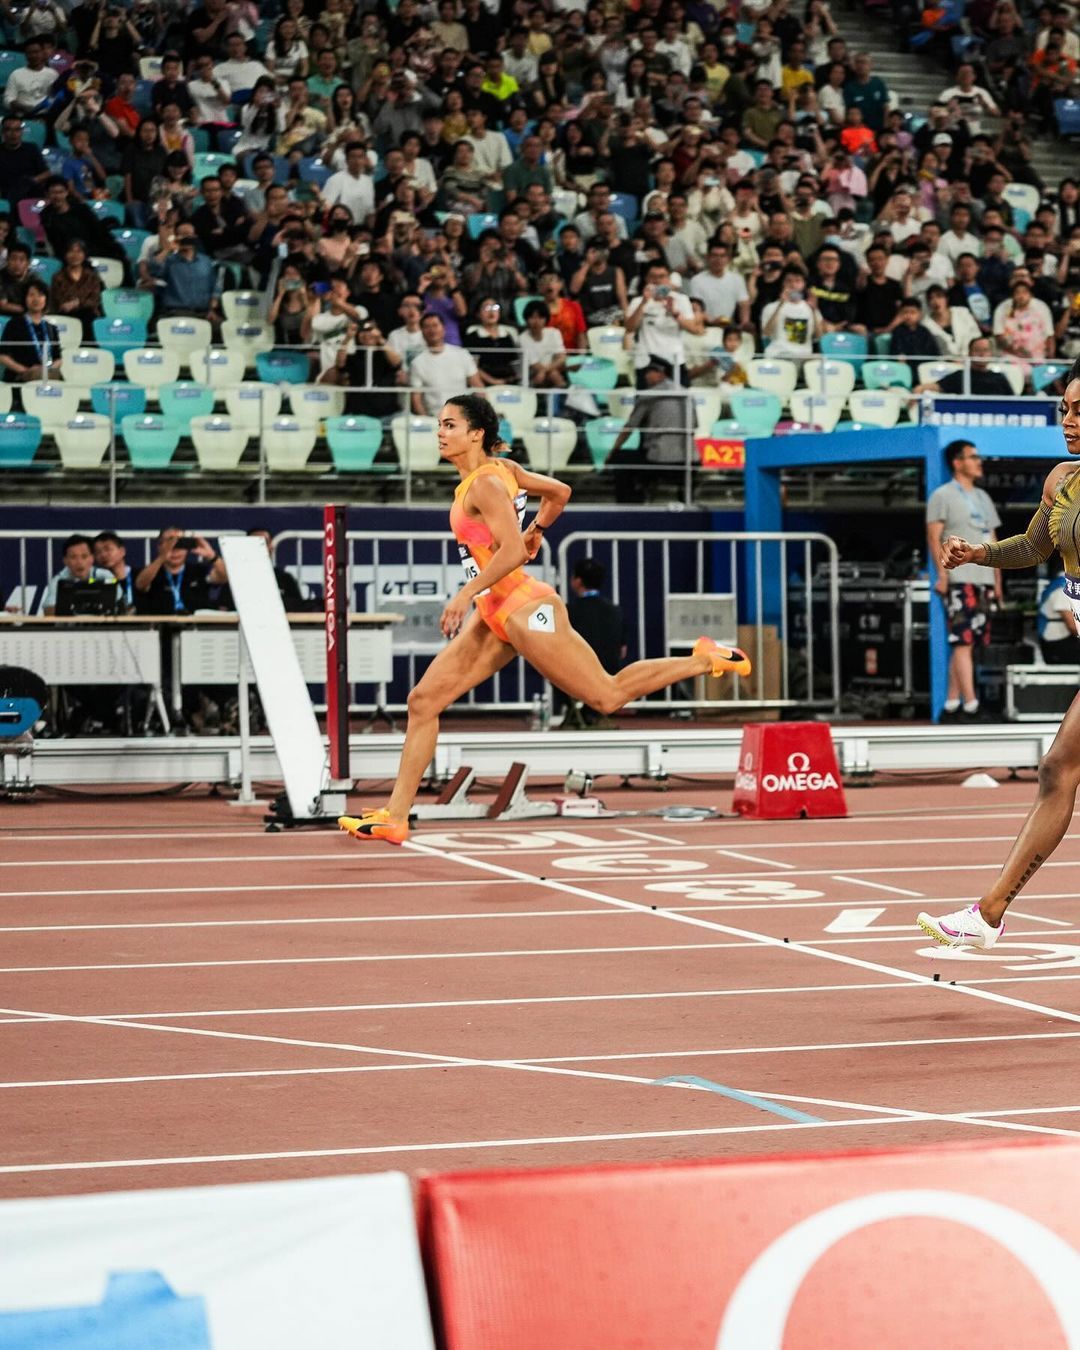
(916, 81)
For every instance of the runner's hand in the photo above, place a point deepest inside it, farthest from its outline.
(532, 539)
(454, 615)
(956, 552)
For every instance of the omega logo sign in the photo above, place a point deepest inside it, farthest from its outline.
(798, 778)
(756, 1316)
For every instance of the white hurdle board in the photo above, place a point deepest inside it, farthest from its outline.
(283, 690)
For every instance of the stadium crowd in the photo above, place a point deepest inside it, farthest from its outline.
(455, 193)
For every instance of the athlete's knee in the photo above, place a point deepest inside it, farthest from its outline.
(1058, 772)
(422, 703)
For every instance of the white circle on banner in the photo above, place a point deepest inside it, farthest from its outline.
(629, 862)
(735, 888)
(758, 1310)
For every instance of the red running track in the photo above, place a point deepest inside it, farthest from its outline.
(186, 1000)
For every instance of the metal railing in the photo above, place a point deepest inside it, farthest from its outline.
(794, 665)
(413, 572)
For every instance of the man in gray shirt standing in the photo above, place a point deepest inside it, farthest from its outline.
(959, 507)
(663, 415)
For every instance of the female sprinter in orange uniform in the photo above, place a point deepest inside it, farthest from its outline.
(515, 614)
(1055, 525)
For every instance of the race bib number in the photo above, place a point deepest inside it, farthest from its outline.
(542, 619)
(469, 566)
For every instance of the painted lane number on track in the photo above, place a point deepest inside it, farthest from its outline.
(1020, 956)
(736, 889)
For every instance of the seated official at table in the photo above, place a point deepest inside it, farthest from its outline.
(30, 347)
(110, 554)
(78, 566)
(179, 579)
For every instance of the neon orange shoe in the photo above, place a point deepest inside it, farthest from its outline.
(724, 659)
(374, 825)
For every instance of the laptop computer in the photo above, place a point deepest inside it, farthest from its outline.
(87, 598)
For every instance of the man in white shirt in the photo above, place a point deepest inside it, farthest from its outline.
(790, 324)
(28, 85)
(518, 60)
(491, 150)
(899, 218)
(722, 291)
(599, 203)
(239, 71)
(957, 238)
(971, 99)
(211, 94)
(439, 371)
(408, 340)
(687, 246)
(659, 317)
(543, 349)
(353, 186)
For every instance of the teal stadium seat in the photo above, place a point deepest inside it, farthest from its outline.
(126, 303)
(181, 400)
(600, 436)
(282, 366)
(354, 443)
(117, 400)
(151, 441)
(757, 411)
(887, 375)
(20, 436)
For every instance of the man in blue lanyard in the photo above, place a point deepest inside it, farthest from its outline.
(110, 553)
(178, 580)
(30, 347)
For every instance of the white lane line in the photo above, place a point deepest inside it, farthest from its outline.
(464, 1145)
(122, 1017)
(315, 921)
(258, 889)
(879, 886)
(1039, 918)
(644, 834)
(121, 1080)
(372, 959)
(763, 939)
(804, 1049)
(368, 860)
(749, 857)
(519, 952)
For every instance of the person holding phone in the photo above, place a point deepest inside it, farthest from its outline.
(659, 318)
(178, 580)
(790, 325)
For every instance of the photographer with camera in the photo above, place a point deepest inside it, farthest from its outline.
(178, 580)
(658, 318)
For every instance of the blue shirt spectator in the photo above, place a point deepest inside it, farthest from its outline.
(191, 282)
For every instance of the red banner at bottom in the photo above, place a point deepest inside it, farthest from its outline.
(953, 1246)
(720, 453)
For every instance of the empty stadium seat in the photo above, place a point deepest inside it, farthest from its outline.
(219, 442)
(184, 336)
(20, 436)
(816, 410)
(126, 303)
(933, 372)
(313, 403)
(116, 401)
(88, 366)
(774, 375)
(52, 402)
(516, 404)
(756, 411)
(823, 376)
(253, 404)
(851, 347)
(131, 241)
(600, 437)
(550, 442)
(354, 442)
(151, 441)
(68, 330)
(887, 374)
(590, 372)
(110, 270)
(876, 407)
(620, 402)
(217, 367)
(120, 335)
(5, 397)
(249, 338)
(288, 443)
(1047, 373)
(415, 441)
(243, 306)
(83, 440)
(606, 342)
(283, 366)
(44, 269)
(707, 403)
(181, 400)
(105, 209)
(151, 367)
(1024, 196)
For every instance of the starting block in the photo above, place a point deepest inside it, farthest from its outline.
(512, 801)
(788, 769)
